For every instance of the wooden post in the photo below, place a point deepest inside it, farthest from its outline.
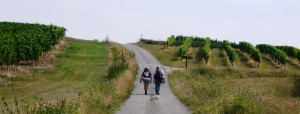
(123, 56)
(186, 61)
(180, 53)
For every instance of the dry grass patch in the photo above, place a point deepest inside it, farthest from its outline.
(220, 91)
(125, 82)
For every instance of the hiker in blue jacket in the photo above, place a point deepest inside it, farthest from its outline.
(158, 79)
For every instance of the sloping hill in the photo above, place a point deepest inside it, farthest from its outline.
(80, 76)
(214, 89)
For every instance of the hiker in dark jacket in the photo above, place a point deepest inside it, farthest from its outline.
(146, 77)
(158, 79)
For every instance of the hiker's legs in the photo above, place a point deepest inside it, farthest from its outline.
(146, 84)
(157, 87)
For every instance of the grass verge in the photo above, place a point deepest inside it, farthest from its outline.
(78, 79)
(212, 90)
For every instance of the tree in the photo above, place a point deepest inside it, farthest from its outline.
(185, 46)
(198, 42)
(203, 52)
(171, 40)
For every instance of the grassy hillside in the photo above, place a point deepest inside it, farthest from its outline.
(220, 88)
(79, 76)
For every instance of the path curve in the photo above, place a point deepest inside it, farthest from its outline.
(138, 103)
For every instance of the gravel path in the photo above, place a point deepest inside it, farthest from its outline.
(138, 103)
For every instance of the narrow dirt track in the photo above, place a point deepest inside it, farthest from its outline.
(138, 103)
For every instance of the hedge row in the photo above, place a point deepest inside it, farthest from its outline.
(230, 51)
(276, 54)
(251, 50)
(24, 41)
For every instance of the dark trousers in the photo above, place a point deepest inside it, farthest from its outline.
(146, 84)
(157, 87)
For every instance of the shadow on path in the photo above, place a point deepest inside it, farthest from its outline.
(138, 94)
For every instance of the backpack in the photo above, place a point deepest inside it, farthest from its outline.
(146, 76)
(158, 76)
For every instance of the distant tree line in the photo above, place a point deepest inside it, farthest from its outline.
(185, 42)
(196, 41)
(25, 42)
(151, 41)
(277, 53)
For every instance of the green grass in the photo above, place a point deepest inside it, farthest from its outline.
(267, 63)
(243, 60)
(215, 88)
(80, 75)
(218, 57)
(82, 64)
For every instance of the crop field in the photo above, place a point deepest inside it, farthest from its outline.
(219, 87)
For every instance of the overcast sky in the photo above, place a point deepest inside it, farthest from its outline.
(275, 22)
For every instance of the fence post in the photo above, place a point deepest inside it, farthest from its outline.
(123, 56)
(180, 53)
(186, 62)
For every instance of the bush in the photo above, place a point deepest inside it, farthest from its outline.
(232, 55)
(289, 50)
(252, 51)
(185, 46)
(116, 69)
(171, 40)
(242, 104)
(273, 52)
(204, 51)
(151, 41)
